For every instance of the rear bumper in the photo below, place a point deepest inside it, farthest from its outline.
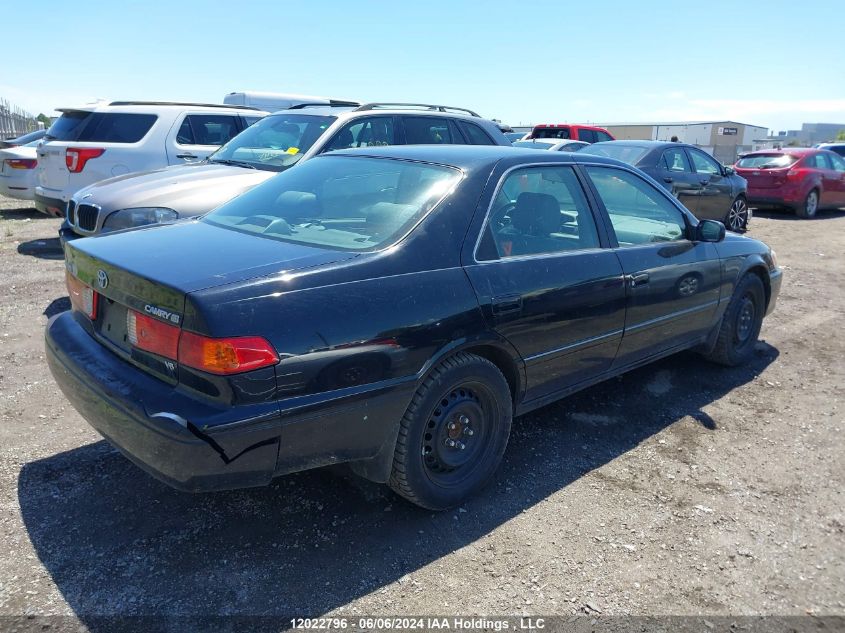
(51, 206)
(194, 446)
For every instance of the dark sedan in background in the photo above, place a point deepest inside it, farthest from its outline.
(393, 308)
(709, 189)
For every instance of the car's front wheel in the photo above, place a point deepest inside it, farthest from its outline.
(811, 204)
(454, 433)
(737, 218)
(741, 324)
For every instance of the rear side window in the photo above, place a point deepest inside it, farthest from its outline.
(206, 129)
(675, 160)
(430, 130)
(817, 161)
(587, 135)
(101, 127)
(475, 134)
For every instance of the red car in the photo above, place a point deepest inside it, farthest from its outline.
(587, 133)
(803, 180)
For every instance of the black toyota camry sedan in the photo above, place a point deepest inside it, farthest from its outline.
(393, 308)
(706, 187)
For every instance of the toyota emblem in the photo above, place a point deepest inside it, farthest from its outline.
(102, 278)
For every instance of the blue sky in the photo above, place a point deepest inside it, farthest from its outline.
(764, 63)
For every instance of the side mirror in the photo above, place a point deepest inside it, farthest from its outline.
(709, 231)
(729, 171)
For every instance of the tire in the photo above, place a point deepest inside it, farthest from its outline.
(464, 401)
(810, 205)
(741, 324)
(737, 218)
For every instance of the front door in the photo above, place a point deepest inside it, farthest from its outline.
(672, 282)
(544, 280)
(715, 198)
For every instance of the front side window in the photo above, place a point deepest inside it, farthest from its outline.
(340, 202)
(639, 213)
(274, 143)
(366, 132)
(475, 134)
(703, 164)
(207, 129)
(603, 136)
(539, 210)
(675, 160)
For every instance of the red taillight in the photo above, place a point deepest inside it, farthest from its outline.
(214, 355)
(152, 335)
(225, 355)
(21, 163)
(82, 297)
(76, 157)
(792, 173)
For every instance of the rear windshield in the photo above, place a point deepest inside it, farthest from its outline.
(630, 154)
(551, 132)
(101, 127)
(275, 143)
(767, 161)
(533, 145)
(340, 202)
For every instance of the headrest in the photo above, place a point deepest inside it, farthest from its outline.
(536, 214)
(298, 204)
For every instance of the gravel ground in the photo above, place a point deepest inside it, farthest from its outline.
(680, 488)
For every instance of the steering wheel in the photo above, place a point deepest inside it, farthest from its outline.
(503, 215)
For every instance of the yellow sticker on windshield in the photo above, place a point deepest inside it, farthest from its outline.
(293, 150)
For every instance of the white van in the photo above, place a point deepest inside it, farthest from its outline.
(273, 101)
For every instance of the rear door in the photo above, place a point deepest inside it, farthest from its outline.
(546, 280)
(195, 136)
(715, 196)
(829, 178)
(838, 165)
(676, 174)
(672, 283)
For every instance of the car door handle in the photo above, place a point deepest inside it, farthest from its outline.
(667, 179)
(186, 156)
(507, 304)
(637, 279)
(706, 181)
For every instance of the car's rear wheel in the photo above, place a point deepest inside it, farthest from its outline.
(741, 324)
(454, 433)
(810, 206)
(737, 218)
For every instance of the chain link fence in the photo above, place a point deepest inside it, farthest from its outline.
(14, 121)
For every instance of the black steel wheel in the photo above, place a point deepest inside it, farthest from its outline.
(452, 438)
(741, 324)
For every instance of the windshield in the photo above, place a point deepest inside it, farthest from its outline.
(537, 145)
(275, 143)
(630, 154)
(767, 161)
(551, 132)
(342, 202)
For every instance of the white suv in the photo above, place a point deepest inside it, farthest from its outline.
(92, 143)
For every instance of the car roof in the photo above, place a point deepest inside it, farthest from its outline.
(468, 157)
(644, 143)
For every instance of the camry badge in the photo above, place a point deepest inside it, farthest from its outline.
(102, 278)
